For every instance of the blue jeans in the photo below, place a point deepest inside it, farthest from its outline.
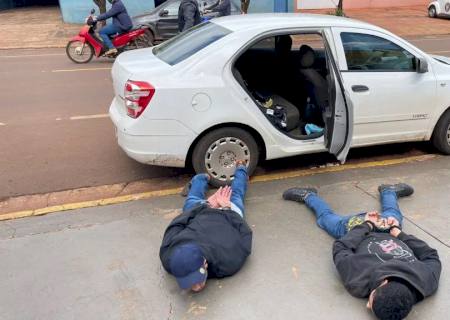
(199, 186)
(106, 31)
(337, 226)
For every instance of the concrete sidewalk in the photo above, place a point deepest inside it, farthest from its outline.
(42, 27)
(102, 263)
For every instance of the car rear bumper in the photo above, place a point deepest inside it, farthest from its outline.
(154, 142)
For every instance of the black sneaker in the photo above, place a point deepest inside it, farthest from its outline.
(298, 194)
(401, 189)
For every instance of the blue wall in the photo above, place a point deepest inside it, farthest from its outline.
(75, 11)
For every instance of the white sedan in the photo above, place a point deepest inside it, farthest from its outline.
(269, 86)
(439, 8)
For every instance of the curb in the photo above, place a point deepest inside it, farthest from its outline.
(177, 187)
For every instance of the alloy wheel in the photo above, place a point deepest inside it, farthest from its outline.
(221, 155)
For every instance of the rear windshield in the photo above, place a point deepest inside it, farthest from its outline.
(187, 43)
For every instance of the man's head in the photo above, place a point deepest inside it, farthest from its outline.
(392, 300)
(189, 267)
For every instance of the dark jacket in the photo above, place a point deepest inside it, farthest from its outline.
(223, 236)
(364, 259)
(223, 8)
(120, 16)
(188, 15)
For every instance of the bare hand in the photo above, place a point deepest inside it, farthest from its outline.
(372, 216)
(392, 222)
(224, 196)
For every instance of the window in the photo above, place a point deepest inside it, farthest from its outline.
(188, 43)
(173, 8)
(371, 53)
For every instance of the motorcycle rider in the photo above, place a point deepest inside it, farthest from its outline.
(121, 23)
(223, 7)
(188, 14)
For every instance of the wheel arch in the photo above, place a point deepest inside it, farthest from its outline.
(437, 121)
(254, 133)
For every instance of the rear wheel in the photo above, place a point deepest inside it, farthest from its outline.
(217, 152)
(432, 12)
(143, 41)
(441, 134)
(79, 52)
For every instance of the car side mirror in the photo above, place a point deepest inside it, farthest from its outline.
(164, 13)
(92, 11)
(422, 65)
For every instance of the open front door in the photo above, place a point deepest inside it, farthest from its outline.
(339, 114)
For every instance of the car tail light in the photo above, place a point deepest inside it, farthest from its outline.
(137, 97)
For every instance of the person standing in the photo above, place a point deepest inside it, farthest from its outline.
(188, 15)
(223, 7)
(210, 239)
(244, 6)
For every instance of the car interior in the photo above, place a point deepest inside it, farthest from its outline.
(287, 77)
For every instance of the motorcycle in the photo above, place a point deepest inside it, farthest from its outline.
(83, 47)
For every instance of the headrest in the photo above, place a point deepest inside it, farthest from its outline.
(283, 43)
(307, 57)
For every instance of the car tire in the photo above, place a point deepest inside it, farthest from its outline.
(432, 12)
(441, 134)
(216, 152)
(150, 37)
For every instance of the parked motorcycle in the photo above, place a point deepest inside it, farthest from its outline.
(88, 43)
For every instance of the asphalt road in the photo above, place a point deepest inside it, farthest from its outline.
(56, 134)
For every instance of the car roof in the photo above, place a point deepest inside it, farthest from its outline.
(268, 21)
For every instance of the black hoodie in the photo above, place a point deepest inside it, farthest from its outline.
(223, 236)
(364, 259)
(188, 15)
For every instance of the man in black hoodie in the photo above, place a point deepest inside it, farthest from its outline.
(188, 15)
(374, 257)
(210, 239)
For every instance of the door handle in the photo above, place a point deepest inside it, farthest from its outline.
(360, 88)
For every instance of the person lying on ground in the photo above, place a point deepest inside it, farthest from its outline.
(373, 256)
(210, 239)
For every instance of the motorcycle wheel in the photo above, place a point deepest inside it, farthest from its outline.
(143, 41)
(79, 52)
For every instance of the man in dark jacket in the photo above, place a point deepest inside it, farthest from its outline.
(210, 239)
(374, 257)
(188, 15)
(121, 23)
(223, 7)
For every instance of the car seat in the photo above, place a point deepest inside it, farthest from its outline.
(317, 84)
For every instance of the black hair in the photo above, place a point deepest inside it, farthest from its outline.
(393, 301)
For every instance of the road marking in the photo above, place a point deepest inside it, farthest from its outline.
(174, 191)
(34, 55)
(77, 70)
(2, 124)
(439, 52)
(92, 116)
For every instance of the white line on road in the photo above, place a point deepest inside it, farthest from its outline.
(439, 52)
(75, 70)
(92, 116)
(34, 55)
(2, 124)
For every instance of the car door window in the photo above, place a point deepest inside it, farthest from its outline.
(173, 8)
(365, 52)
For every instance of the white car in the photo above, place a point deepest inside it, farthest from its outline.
(439, 8)
(269, 86)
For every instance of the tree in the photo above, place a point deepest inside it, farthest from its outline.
(340, 8)
(101, 4)
(340, 5)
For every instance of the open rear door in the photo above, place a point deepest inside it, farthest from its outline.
(339, 115)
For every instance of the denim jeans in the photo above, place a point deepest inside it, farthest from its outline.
(337, 225)
(199, 186)
(106, 31)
